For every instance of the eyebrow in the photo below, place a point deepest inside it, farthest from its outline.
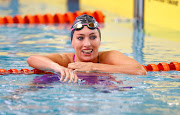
(89, 34)
(92, 33)
(80, 34)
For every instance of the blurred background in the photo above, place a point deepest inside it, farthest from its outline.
(137, 27)
(160, 17)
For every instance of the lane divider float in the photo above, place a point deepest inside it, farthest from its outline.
(163, 67)
(23, 71)
(173, 66)
(48, 18)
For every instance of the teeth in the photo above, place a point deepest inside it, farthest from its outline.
(87, 51)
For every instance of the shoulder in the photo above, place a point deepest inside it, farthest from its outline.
(62, 59)
(61, 56)
(110, 53)
(68, 56)
(114, 57)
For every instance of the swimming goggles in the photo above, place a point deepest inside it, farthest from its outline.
(79, 26)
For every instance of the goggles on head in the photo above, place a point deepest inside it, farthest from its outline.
(79, 26)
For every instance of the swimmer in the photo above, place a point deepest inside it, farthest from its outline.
(86, 40)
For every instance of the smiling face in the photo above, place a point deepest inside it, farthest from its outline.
(86, 43)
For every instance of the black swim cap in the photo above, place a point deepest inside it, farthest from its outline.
(85, 19)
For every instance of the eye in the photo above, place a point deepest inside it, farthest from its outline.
(92, 37)
(80, 38)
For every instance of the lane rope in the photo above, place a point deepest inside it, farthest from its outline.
(173, 66)
(48, 18)
(163, 66)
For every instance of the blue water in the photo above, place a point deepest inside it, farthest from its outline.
(155, 93)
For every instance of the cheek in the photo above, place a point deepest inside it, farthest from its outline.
(97, 44)
(75, 44)
(72, 44)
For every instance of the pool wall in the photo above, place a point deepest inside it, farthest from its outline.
(160, 18)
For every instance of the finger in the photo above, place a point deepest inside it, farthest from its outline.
(75, 78)
(69, 65)
(71, 76)
(62, 75)
(67, 75)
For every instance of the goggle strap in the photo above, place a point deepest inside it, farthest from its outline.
(85, 24)
(72, 29)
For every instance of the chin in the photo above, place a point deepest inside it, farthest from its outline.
(88, 57)
(87, 60)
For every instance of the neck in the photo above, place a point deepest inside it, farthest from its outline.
(96, 60)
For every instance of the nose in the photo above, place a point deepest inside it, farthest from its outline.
(87, 42)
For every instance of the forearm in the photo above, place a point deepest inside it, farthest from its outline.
(42, 63)
(45, 63)
(135, 69)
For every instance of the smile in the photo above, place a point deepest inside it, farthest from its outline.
(87, 51)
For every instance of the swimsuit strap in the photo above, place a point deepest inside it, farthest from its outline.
(98, 58)
(74, 59)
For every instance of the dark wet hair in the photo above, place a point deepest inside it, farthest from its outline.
(84, 19)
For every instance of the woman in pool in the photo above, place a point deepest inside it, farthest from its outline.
(86, 40)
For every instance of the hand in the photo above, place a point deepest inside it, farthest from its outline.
(81, 66)
(66, 74)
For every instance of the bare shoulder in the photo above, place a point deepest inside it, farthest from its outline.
(115, 57)
(62, 59)
(68, 56)
(111, 52)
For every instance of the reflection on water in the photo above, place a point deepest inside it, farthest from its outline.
(155, 93)
(95, 93)
(161, 88)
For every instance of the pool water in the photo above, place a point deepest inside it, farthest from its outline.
(95, 93)
(155, 93)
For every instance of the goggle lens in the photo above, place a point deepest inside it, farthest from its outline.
(91, 25)
(79, 26)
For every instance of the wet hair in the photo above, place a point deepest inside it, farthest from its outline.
(84, 19)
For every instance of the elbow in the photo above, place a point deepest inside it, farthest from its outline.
(141, 71)
(30, 60)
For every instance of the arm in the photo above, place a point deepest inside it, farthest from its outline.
(125, 68)
(117, 62)
(112, 62)
(48, 62)
(53, 62)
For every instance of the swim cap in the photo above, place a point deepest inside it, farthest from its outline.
(84, 20)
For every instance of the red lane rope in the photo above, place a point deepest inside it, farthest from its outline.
(163, 67)
(150, 67)
(68, 17)
(23, 71)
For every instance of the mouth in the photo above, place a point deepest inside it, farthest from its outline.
(87, 51)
